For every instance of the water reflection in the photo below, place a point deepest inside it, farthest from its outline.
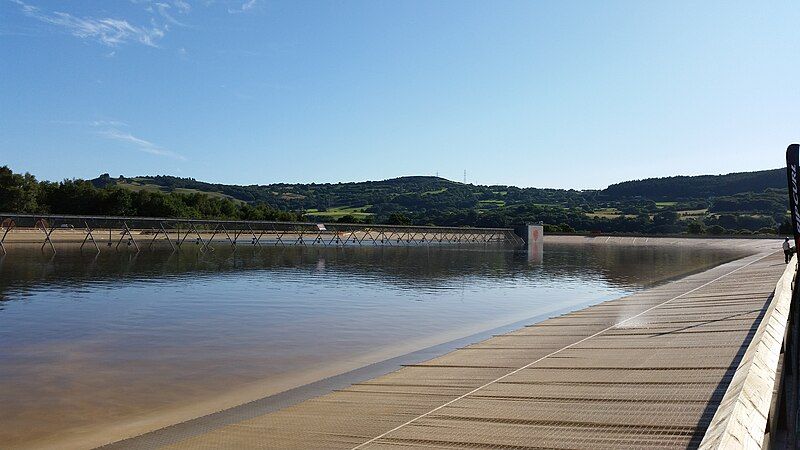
(411, 267)
(95, 341)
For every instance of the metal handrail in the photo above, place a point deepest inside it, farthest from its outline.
(303, 233)
(228, 221)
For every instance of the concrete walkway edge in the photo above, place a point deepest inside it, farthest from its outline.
(741, 419)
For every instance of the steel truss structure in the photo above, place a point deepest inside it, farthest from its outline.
(133, 231)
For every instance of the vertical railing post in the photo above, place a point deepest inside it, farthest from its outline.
(89, 236)
(793, 370)
(7, 226)
(161, 224)
(47, 234)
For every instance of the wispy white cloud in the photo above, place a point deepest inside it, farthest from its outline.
(140, 144)
(108, 123)
(182, 6)
(92, 123)
(244, 7)
(108, 31)
(163, 9)
(113, 129)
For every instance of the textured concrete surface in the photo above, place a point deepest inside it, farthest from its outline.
(741, 419)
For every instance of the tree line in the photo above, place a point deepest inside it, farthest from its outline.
(22, 193)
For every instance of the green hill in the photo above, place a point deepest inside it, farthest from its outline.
(703, 186)
(414, 192)
(738, 201)
(741, 203)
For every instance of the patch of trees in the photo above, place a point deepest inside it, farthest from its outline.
(770, 201)
(693, 187)
(23, 194)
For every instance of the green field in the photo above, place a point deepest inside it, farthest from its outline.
(693, 212)
(492, 202)
(609, 213)
(340, 211)
(139, 185)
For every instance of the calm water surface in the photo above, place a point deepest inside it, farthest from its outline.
(90, 341)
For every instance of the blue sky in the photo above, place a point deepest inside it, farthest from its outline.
(533, 93)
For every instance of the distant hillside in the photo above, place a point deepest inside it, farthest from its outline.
(743, 202)
(434, 192)
(413, 192)
(693, 187)
(740, 203)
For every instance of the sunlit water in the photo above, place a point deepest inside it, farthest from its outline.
(88, 341)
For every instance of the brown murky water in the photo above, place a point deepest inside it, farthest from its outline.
(121, 343)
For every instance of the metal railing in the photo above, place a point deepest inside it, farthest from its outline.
(133, 231)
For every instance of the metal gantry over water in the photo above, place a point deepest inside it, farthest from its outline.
(135, 232)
